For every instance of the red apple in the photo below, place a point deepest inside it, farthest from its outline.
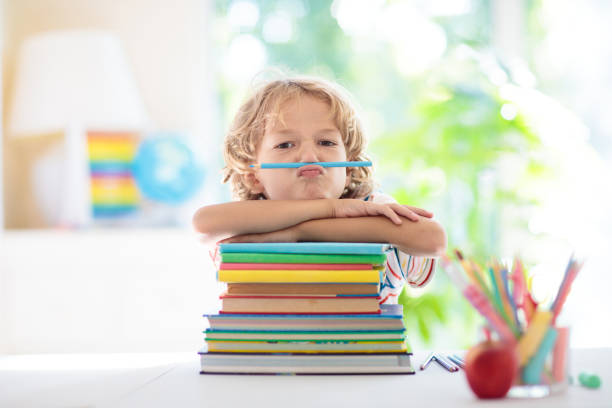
(491, 367)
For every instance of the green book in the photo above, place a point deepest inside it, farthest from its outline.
(302, 258)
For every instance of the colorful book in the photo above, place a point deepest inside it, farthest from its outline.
(354, 248)
(303, 266)
(305, 276)
(299, 304)
(253, 257)
(390, 317)
(269, 323)
(302, 288)
(307, 347)
(305, 335)
(229, 363)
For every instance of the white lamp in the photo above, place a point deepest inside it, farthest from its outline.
(72, 81)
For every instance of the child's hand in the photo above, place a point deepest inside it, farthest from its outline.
(284, 235)
(342, 208)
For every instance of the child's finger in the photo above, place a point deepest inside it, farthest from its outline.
(420, 211)
(406, 212)
(392, 215)
(410, 215)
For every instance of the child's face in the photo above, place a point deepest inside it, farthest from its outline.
(307, 133)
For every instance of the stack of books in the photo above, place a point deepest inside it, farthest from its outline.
(304, 308)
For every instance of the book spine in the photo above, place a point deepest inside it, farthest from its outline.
(303, 288)
(301, 258)
(308, 248)
(294, 266)
(306, 276)
(301, 305)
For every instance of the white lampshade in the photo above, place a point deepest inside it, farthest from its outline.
(71, 82)
(68, 77)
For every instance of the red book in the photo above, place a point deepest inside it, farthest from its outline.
(294, 266)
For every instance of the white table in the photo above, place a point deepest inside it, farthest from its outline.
(173, 381)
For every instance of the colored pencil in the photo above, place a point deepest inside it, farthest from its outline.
(482, 304)
(449, 366)
(473, 272)
(508, 295)
(499, 282)
(455, 359)
(519, 288)
(564, 289)
(499, 302)
(568, 270)
(322, 164)
(536, 336)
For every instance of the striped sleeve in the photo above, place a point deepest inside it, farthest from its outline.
(401, 267)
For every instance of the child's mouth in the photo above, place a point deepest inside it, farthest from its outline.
(310, 171)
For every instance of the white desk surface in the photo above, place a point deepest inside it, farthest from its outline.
(165, 380)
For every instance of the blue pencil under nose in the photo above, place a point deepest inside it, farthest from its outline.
(322, 164)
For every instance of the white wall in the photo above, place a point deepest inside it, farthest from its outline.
(1, 122)
(104, 291)
(117, 290)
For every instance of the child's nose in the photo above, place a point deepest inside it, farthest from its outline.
(308, 153)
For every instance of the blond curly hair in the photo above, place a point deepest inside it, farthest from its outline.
(263, 107)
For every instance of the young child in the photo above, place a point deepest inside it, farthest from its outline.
(311, 120)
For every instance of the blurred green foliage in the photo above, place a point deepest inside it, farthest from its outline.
(440, 138)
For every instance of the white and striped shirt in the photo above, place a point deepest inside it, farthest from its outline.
(400, 267)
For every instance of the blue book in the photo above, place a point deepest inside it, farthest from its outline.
(353, 248)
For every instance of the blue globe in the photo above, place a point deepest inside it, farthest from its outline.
(166, 170)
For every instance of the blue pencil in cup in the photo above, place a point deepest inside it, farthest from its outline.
(322, 164)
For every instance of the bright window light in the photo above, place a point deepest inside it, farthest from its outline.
(508, 111)
(278, 28)
(418, 42)
(356, 17)
(246, 56)
(243, 14)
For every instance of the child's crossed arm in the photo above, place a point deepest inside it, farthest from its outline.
(349, 220)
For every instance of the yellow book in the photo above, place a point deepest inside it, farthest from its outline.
(305, 276)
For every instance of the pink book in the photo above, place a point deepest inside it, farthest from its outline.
(293, 266)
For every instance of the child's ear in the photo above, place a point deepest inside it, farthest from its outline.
(251, 180)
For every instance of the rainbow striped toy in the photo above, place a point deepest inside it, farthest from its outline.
(113, 188)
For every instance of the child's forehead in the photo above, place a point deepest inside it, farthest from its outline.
(279, 133)
(297, 104)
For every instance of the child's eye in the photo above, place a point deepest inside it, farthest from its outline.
(284, 145)
(328, 143)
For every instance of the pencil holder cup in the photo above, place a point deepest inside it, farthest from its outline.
(546, 372)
